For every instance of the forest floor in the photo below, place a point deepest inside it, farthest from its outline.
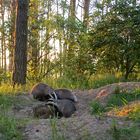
(82, 125)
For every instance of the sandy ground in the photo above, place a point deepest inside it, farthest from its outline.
(81, 126)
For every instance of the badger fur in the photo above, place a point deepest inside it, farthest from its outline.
(42, 92)
(59, 102)
(65, 94)
(46, 111)
(64, 107)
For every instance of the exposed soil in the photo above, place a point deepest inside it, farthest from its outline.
(81, 126)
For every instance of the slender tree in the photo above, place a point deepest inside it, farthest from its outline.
(20, 52)
(34, 38)
(12, 33)
(86, 12)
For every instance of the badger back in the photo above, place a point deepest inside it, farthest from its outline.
(65, 94)
(64, 107)
(41, 91)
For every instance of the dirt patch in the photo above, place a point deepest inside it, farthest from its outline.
(81, 126)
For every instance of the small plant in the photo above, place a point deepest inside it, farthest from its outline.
(117, 90)
(96, 108)
(135, 114)
(56, 135)
(123, 133)
(114, 130)
(8, 125)
(123, 98)
(126, 133)
(5, 102)
(8, 129)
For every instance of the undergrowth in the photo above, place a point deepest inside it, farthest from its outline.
(56, 134)
(8, 125)
(102, 80)
(116, 100)
(125, 133)
(94, 81)
(122, 98)
(9, 129)
(135, 114)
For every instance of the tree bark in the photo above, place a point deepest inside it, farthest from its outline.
(86, 12)
(20, 52)
(12, 34)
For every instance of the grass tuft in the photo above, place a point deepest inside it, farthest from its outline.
(96, 108)
(8, 129)
(125, 133)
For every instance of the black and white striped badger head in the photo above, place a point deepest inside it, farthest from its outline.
(63, 94)
(41, 91)
(64, 107)
(44, 92)
(45, 111)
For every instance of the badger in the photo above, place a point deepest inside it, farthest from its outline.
(64, 94)
(42, 92)
(64, 107)
(46, 111)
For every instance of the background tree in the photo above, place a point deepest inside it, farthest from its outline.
(116, 39)
(20, 52)
(73, 40)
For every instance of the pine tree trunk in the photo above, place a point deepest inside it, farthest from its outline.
(86, 12)
(20, 52)
(34, 40)
(12, 33)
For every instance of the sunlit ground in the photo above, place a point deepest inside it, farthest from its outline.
(131, 110)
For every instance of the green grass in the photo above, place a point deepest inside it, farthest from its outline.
(125, 133)
(8, 126)
(102, 80)
(96, 108)
(116, 100)
(94, 81)
(9, 129)
(5, 101)
(56, 134)
(135, 114)
(7, 88)
(122, 98)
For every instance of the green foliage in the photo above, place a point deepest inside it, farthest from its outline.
(114, 130)
(125, 133)
(118, 99)
(8, 129)
(135, 114)
(4, 76)
(115, 39)
(99, 80)
(5, 102)
(122, 98)
(55, 132)
(96, 108)
(8, 125)
(7, 88)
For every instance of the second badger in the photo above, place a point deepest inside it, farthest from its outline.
(55, 108)
(44, 92)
